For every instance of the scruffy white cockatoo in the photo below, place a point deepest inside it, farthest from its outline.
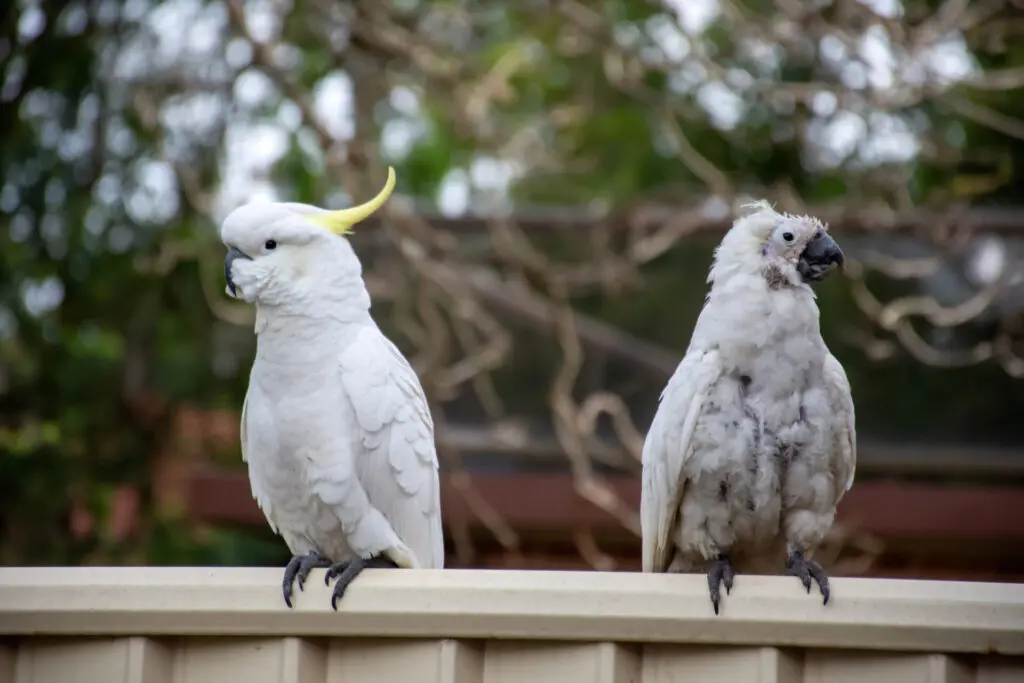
(335, 426)
(753, 442)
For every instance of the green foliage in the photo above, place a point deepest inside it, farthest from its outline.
(90, 386)
(78, 377)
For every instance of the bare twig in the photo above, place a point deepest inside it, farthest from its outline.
(458, 286)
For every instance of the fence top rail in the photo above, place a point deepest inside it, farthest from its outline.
(924, 616)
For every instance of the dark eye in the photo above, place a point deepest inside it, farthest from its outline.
(271, 244)
(788, 236)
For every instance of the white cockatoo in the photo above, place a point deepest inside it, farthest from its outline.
(753, 443)
(335, 429)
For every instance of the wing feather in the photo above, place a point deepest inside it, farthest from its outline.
(841, 398)
(256, 483)
(666, 449)
(397, 465)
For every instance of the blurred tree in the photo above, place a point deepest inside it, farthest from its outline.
(97, 351)
(129, 128)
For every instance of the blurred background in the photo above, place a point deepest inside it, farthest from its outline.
(564, 170)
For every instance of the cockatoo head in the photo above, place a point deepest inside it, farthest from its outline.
(283, 251)
(787, 250)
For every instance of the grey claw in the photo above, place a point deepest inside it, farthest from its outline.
(348, 570)
(806, 570)
(720, 572)
(298, 570)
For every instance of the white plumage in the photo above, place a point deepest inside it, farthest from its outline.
(341, 458)
(335, 429)
(753, 443)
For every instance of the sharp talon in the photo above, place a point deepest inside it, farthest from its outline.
(720, 572)
(349, 570)
(290, 570)
(806, 570)
(334, 571)
(297, 571)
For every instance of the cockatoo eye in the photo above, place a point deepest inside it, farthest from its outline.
(788, 236)
(270, 245)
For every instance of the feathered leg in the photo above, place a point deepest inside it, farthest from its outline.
(348, 570)
(298, 569)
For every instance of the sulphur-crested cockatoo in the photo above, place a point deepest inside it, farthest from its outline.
(753, 442)
(335, 428)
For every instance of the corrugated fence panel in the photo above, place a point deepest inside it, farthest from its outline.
(297, 660)
(199, 625)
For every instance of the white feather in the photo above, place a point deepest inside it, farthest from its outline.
(665, 451)
(344, 462)
(753, 443)
(336, 430)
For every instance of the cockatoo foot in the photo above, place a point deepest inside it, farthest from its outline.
(720, 572)
(348, 570)
(805, 570)
(298, 569)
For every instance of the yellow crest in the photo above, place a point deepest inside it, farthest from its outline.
(341, 222)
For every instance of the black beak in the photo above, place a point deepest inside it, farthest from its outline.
(233, 253)
(818, 256)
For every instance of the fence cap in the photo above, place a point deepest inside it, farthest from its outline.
(931, 616)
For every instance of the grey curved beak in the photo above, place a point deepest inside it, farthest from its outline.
(233, 254)
(818, 256)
